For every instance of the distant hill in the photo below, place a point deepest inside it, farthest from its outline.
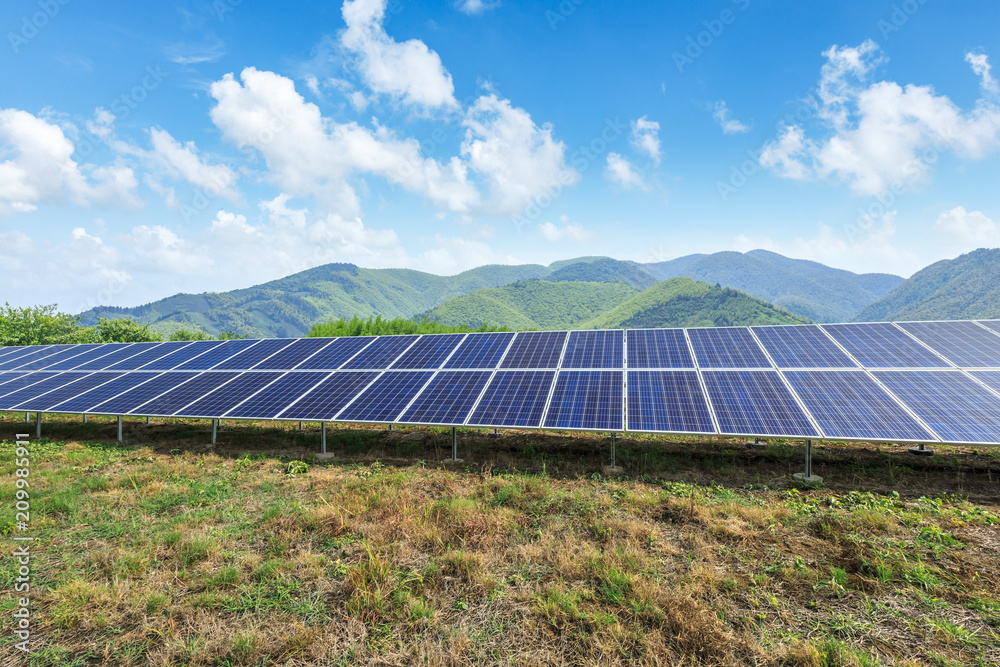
(808, 289)
(533, 304)
(682, 302)
(604, 270)
(967, 287)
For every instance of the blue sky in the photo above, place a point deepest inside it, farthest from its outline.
(152, 148)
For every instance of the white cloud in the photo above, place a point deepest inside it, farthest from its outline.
(646, 138)
(880, 135)
(723, 117)
(981, 66)
(967, 230)
(408, 70)
(519, 160)
(473, 7)
(182, 161)
(569, 232)
(621, 172)
(185, 53)
(39, 169)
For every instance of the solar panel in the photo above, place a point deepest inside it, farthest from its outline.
(386, 398)
(97, 352)
(481, 350)
(802, 347)
(67, 389)
(429, 352)
(33, 357)
(10, 376)
(882, 345)
(727, 348)
(990, 378)
(755, 403)
(588, 400)
(380, 354)
(17, 384)
(250, 357)
(216, 355)
(953, 405)
(43, 386)
(963, 343)
(43, 363)
(178, 357)
(447, 399)
(273, 399)
(89, 399)
(229, 395)
(849, 404)
(535, 349)
(120, 354)
(336, 353)
(289, 357)
(330, 396)
(668, 401)
(595, 349)
(513, 398)
(133, 398)
(11, 349)
(658, 348)
(167, 404)
(148, 355)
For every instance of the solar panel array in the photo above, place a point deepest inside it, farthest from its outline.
(906, 382)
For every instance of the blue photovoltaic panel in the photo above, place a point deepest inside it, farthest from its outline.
(336, 353)
(149, 355)
(9, 350)
(595, 349)
(294, 354)
(69, 355)
(178, 357)
(448, 398)
(755, 403)
(26, 380)
(95, 353)
(10, 376)
(121, 354)
(250, 357)
(228, 396)
(963, 343)
(668, 402)
(33, 357)
(990, 378)
(535, 349)
(386, 398)
(84, 382)
(216, 355)
(658, 348)
(89, 399)
(273, 399)
(882, 345)
(480, 350)
(588, 400)
(514, 398)
(429, 352)
(133, 398)
(727, 348)
(167, 405)
(803, 346)
(44, 385)
(953, 405)
(381, 353)
(849, 404)
(330, 396)
(993, 325)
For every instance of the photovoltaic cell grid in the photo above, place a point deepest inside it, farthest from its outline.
(46, 362)
(335, 354)
(447, 399)
(882, 345)
(65, 391)
(146, 356)
(17, 384)
(216, 355)
(993, 325)
(133, 398)
(172, 401)
(386, 398)
(755, 403)
(182, 355)
(586, 400)
(293, 355)
(11, 399)
(105, 362)
(273, 399)
(727, 348)
(480, 350)
(381, 353)
(228, 396)
(513, 398)
(849, 404)
(594, 349)
(668, 401)
(802, 347)
(26, 361)
(250, 357)
(429, 352)
(88, 400)
(535, 349)
(964, 344)
(330, 396)
(658, 348)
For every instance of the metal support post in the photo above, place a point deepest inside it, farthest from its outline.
(808, 477)
(921, 450)
(300, 426)
(84, 417)
(27, 416)
(322, 429)
(147, 421)
(215, 430)
(454, 443)
(38, 424)
(390, 427)
(613, 469)
(119, 428)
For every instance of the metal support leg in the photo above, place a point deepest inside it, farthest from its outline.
(119, 428)
(613, 439)
(390, 427)
(322, 429)
(454, 443)
(215, 430)
(921, 450)
(147, 421)
(300, 426)
(807, 476)
(38, 424)
(27, 416)
(613, 469)
(84, 417)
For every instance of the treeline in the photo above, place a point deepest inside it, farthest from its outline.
(45, 325)
(379, 326)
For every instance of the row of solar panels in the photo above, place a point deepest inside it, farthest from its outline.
(963, 344)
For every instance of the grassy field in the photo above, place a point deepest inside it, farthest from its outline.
(164, 550)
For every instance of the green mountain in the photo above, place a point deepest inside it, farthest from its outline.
(682, 302)
(604, 270)
(967, 287)
(533, 304)
(808, 289)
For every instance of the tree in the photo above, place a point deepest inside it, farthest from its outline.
(39, 325)
(124, 331)
(184, 334)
